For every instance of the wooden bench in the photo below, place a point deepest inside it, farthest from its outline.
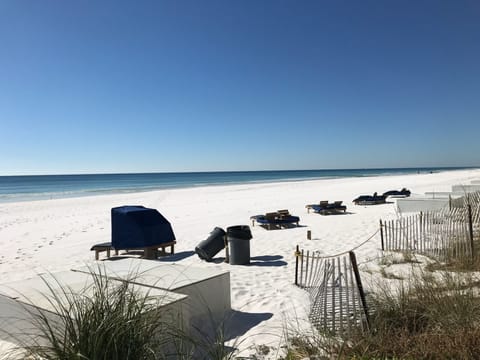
(150, 252)
(153, 252)
(107, 246)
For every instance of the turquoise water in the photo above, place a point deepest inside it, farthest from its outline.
(25, 188)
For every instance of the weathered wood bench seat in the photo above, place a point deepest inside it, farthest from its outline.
(107, 246)
(150, 252)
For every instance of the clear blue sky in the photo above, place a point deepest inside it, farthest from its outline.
(140, 86)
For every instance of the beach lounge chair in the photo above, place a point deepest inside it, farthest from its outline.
(283, 214)
(326, 208)
(280, 218)
(322, 203)
(370, 199)
(338, 206)
(400, 194)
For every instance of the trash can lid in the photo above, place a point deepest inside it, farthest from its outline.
(219, 230)
(239, 232)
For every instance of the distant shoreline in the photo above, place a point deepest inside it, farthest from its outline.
(250, 171)
(19, 188)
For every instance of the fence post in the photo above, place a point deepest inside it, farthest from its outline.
(470, 229)
(297, 254)
(358, 280)
(381, 235)
(227, 252)
(421, 226)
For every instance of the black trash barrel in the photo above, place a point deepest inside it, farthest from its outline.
(208, 248)
(239, 244)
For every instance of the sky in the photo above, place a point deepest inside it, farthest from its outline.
(199, 85)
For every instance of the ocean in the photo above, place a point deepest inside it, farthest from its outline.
(39, 187)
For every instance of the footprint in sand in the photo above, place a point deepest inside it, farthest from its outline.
(242, 293)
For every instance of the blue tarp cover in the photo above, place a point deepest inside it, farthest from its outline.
(139, 227)
(289, 219)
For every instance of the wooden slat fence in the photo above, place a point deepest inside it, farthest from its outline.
(445, 234)
(337, 300)
(472, 199)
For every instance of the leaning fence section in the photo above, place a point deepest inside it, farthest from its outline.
(449, 233)
(337, 300)
(472, 199)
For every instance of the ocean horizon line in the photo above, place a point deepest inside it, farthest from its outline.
(249, 171)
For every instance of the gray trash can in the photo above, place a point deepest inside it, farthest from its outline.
(239, 244)
(208, 248)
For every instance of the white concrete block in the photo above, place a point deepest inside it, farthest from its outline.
(208, 289)
(20, 300)
(421, 204)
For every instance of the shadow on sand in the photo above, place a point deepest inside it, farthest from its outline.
(176, 257)
(268, 260)
(238, 323)
(280, 227)
(139, 253)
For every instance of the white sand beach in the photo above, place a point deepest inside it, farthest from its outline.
(56, 235)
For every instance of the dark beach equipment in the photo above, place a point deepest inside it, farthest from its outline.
(136, 227)
(370, 199)
(395, 193)
(326, 208)
(275, 219)
(210, 247)
(238, 238)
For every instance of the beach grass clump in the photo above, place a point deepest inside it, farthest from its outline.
(459, 261)
(301, 347)
(427, 316)
(424, 317)
(113, 320)
(109, 321)
(398, 258)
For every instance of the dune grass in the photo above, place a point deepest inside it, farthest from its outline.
(431, 315)
(112, 321)
(426, 317)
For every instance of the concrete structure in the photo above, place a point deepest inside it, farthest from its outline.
(465, 189)
(417, 204)
(440, 195)
(208, 289)
(20, 301)
(435, 200)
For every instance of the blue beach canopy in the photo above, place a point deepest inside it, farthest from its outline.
(139, 227)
